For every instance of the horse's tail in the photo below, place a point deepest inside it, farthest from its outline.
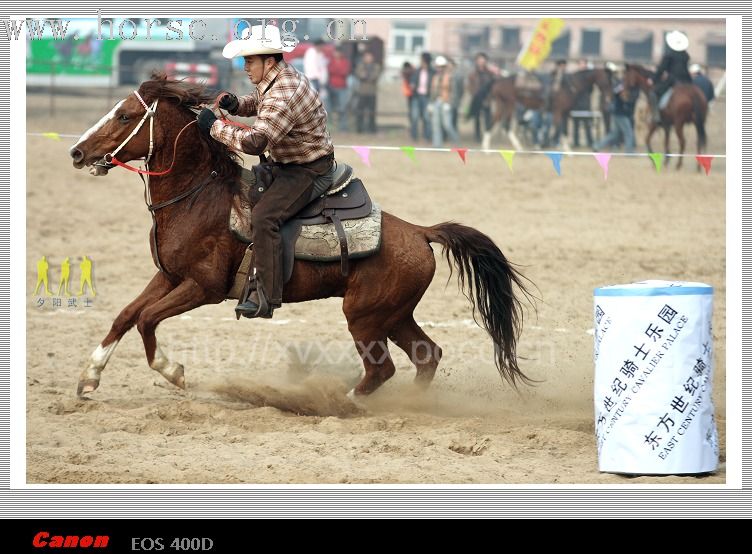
(699, 117)
(490, 280)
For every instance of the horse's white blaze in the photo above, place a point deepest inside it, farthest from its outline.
(99, 124)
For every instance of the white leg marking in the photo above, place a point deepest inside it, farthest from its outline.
(514, 140)
(98, 361)
(486, 140)
(172, 371)
(160, 361)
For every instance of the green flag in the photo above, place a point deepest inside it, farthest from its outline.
(410, 151)
(657, 158)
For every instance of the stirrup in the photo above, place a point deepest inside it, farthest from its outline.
(251, 309)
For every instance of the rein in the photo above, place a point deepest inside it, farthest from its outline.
(111, 161)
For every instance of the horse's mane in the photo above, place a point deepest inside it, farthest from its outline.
(643, 71)
(191, 95)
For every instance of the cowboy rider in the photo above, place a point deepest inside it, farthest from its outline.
(291, 124)
(674, 64)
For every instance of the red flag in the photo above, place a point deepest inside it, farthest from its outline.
(462, 152)
(705, 162)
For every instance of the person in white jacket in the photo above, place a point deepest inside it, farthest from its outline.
(315, 68)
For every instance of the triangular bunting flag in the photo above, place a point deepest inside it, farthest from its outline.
(705, 161)
(364, 152)
(508, 157)
(410, 151)
(657, 158)
(53, 136)
(462, 152)
(603, 160)
(556, 160)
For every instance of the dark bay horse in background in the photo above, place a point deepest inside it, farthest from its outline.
(565, 98)
(686, 105)
(199, 256)
(506, 95)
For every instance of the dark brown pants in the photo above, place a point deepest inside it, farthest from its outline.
(289, 193)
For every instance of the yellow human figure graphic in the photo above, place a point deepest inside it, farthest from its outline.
(85, 267)
(42, 268)
(64, 277)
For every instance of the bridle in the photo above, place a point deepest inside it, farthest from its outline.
(109, 161)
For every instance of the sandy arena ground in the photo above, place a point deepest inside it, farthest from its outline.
(266, 401)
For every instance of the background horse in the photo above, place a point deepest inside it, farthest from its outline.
(506, 95)
(565, 97)
(199, 256)
(686, 105)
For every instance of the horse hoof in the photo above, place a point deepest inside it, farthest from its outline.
(86, 386)
(355, 398)
(177, 377)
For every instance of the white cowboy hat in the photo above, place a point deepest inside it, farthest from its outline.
(611, 66)
(251, 44)
(695, 68)
(677, 40)
(440, 61)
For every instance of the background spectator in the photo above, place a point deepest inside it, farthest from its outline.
(699, 79)
(315, 68)
(367, 73)
(479, 85)
(339, 70)
(622, 120)
(441, 106)
(421, 87)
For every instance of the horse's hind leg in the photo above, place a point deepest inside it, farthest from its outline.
(422, 351)
(156, 289)
(370, 340)
(666, 144)
(679, 128)
(649, 137)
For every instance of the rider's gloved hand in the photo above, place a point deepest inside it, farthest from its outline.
(230, 103)
(206, 119)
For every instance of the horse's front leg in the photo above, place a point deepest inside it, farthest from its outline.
(186, 296)
(158, 287)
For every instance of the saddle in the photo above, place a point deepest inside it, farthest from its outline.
(336, 197)
(339, 223)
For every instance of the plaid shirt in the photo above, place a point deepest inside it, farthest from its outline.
(289, 118)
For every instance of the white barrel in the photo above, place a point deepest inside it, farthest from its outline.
(654, 378)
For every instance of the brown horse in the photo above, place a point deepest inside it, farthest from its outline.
(198, 256)
(506, 95)
(686, 105)
(564, 99)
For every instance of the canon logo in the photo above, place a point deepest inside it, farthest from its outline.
(44, 540)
